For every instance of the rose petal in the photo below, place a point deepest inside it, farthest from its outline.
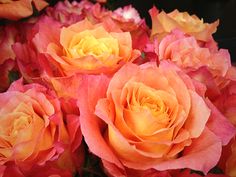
(218, 120)
(92, 89)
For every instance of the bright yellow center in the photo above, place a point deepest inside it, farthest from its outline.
(87, 44)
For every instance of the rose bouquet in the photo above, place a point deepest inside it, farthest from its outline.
(87, 91)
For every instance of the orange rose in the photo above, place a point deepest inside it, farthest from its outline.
(15, 10)
(90, 48)
(163, 23)
(152, 117)
(32, 129)
(79, 48)
(59, 54)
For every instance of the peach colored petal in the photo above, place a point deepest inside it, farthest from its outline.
(140, 159)
(202, 155)
(164, 23)
(66, 87)
(16, 9)
(40, 4)
(198, 115)
(67, 33)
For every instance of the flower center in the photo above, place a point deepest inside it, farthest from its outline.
(100, 48)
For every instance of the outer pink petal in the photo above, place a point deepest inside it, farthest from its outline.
(218, 124)
(73, 127)
(113, 170)
(202, 155)
(92, 89)
(10, 171)
(48, 32)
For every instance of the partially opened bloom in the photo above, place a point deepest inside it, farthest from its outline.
(33, 132)
(163, 23)
(15, 10)
(153, 118)
(81, 47)
(67, 52)
(209, 67)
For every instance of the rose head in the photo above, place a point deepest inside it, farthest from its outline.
(79, 48)
(163, 23)
(32, 127)
(187, 53)
(154, 118)
(201, 63)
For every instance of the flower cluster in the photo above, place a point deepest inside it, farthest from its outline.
(89, 91)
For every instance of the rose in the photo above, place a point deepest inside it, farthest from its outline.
(89, 48)
(60, 56)
(201, 63)
(154, 118)
(33, 131)
(15, 10)
(163, 23)
(80, 48)
(187, 53)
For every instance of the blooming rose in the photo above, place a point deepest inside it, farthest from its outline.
(163, 23)
(80, 48)
(33, 130)
(15, 10)
(153, 118)
(209, 67)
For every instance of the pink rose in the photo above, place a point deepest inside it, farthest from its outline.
(201, 63)
(150, 117)
(186, 53)
(33, 131)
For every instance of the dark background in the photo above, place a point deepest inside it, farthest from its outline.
(209, 10)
